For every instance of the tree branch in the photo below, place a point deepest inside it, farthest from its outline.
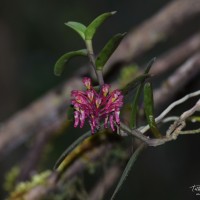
(44, 112)
(155, 30)
(177, 80)
(177, 55)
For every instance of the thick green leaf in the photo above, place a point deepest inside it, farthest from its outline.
(61, 62)
(149, 65)
(134, 107)
(108, 50)
(134, 83)
(127, 169)
(149, 109)
(95, 24)
(78, 27)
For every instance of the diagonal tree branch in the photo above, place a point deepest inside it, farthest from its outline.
(155, 30)
(178, 80)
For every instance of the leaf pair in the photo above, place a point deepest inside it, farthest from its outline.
(87, 34)
(134, 107)
(148, 102)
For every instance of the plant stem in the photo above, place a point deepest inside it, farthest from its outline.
(98, 73)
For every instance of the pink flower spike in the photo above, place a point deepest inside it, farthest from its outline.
(98, 102)
(90, 94)
(92, 127)
(87, 82)
(112, 123)
(82, 118)
(76, 117)
(106, 122)
(105, 89)
(117, 119)
(96, 107)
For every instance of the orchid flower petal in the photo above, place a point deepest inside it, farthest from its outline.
(112, 123)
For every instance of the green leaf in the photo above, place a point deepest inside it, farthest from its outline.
(95, 24)
(70, 148)
(134, 83)
(134, 107)
(108, 50)
(149, 65)
(61, 62)
(194, 119)
(127, 169)
(78, 27)
(149, 109)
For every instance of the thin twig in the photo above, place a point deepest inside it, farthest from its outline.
(179, 124)
(169, 119)
(125, 131)
(170, 107)
(188, 132)
(176, 103)
(176, 127)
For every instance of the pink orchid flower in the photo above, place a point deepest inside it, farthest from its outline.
(95, 106)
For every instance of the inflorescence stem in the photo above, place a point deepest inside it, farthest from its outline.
(98, 73)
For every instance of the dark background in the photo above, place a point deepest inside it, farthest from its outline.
(33, 36)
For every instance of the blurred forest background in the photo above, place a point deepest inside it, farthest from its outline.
(33, 36)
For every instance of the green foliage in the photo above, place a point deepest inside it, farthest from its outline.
(62, 61)
(149, 109)
(108, 50)
(127, 169)
(10, 178)
(70, 148)
(73, 189)
(23, 187)
(135, 102)
(78, 27)
(149, 65)
(194, 118)
(87, 34)
(134, 83)
(95, 24)
(127, 73)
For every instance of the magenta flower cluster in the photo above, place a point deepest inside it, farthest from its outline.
(95, 106)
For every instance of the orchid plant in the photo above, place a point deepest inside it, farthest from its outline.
(91, 104)
(100, 105)
(111, 118)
